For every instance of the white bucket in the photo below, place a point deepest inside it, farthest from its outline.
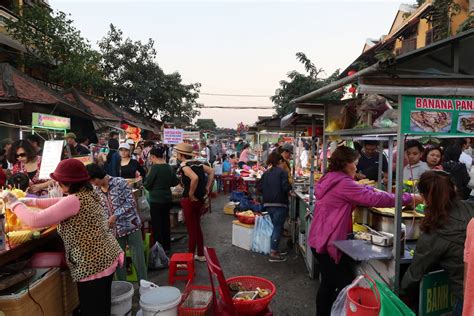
(122, 293)
(162, 301)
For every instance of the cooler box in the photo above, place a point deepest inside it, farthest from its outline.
(242, 235)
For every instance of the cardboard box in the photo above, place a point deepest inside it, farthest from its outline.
(242, 235)
(45, 291)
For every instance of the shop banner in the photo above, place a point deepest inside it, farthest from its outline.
(191, 135)
(172, 136)
(50, 121)
(436, 298)
(52, 151)
(444, 116)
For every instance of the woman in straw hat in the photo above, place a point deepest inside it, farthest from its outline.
(196, 188)
(92, 252)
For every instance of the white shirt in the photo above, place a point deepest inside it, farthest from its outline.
(304, 159)
(467, 160)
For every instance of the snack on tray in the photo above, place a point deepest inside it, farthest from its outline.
(428, 121)
(466, 123)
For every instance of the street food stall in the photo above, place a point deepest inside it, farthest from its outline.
(304, 118)
(430, 99)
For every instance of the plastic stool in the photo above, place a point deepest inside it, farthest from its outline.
(228, 183)
(181, 259)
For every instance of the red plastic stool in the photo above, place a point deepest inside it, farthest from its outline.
(186, 259)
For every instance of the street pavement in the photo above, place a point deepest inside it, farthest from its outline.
(296, 292)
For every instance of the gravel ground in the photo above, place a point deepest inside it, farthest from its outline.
(296, 292)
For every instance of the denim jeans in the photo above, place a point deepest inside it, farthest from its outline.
(278, 216)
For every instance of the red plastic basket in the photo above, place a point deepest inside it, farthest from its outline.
(251, 283)
(191, 311)
(245, 219)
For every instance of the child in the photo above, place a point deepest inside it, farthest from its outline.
(415, 167)
(226, 165)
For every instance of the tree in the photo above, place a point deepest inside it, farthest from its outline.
(300, 84)
(206, 124)
(55, 47)
(138, 82)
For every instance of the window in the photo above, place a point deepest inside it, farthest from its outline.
(429, 37)
(408, 45)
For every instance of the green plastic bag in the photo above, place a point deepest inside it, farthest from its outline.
(391, 304)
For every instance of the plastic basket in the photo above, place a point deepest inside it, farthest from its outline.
(196, 301)
(250, 283)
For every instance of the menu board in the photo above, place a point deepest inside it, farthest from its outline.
(172, 136)
(438, 115)
(52, 150)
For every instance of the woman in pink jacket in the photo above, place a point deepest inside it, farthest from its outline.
(336, 195)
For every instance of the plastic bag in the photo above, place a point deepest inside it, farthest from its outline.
(389, 119)
(262, 234)
(391, 303)
(143, 208)
(339, 307)
(158, 258)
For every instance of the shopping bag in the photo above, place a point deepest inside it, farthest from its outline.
(158, 258)
(262, 234)
(143, 208)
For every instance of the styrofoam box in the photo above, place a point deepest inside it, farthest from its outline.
(242, 236)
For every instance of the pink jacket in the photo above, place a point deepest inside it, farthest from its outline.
(336, 195)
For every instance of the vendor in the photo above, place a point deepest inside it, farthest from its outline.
(443, 234)
(368, 166)
(92, 252)
(244, 156)
(25, 160)
(336, 195)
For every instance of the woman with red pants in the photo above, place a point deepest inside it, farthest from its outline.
(196, 188)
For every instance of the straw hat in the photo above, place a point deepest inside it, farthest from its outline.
(185, 149)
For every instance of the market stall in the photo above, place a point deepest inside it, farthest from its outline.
(414, 85)
(304, 118)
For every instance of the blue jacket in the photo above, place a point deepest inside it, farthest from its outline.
(275, 187)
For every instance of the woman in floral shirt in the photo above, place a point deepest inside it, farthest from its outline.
(117, 198)
(25, 160)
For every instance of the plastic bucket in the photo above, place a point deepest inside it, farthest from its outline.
(162, 301)
(122, 293)
(363, 301)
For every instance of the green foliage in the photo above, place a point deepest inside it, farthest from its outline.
(466, 25)
(138, 82)
(299, 84)
(385, 56)
(443, 11)
(206, 124)
(53, 43)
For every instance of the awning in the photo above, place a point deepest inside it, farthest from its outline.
(442, 61)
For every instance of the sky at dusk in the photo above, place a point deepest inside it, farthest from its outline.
(239, 47)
